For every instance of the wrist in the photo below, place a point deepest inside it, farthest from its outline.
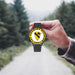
(65, 45)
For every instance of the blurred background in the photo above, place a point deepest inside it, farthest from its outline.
(15, 16)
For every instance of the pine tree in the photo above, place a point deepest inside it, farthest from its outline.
(64, 16)
(9, 27)
(18, 38)
(72, 19)
(22, 18)
(3, 35)
(62, 13)
(3, 29)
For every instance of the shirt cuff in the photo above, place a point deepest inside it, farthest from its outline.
(70, 52)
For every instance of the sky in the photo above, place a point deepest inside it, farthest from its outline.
(41, 5)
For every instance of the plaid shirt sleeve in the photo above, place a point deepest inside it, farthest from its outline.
(69, 55)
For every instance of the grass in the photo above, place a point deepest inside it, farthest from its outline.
(7, 55)
(53, 49)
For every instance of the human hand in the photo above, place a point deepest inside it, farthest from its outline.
(55, 33)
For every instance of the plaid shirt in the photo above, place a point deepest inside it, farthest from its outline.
(69, 55)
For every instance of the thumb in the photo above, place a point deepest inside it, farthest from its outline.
(46, 24)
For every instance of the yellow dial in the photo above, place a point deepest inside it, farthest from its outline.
(37, 36)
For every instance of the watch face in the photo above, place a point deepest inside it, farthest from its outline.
(37, 36)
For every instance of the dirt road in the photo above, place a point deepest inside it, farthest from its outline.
(36, 63)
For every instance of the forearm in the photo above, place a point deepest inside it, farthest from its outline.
(69, 54)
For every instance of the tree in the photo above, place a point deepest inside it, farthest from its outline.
(3, 35)
(66, 14)
(3, 29)
(22, 18)
(9, 27)
(62, 14)
(15, 28)
(72, 19)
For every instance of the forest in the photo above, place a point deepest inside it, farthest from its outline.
(14, 24)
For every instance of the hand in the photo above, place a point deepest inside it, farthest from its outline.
(55, 33)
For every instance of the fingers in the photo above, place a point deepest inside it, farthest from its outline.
(45, 24)
(49, 24)
(31, 27)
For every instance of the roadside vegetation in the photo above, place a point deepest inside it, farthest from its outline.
(7, 55)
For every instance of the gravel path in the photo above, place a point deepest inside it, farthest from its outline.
(36, 63)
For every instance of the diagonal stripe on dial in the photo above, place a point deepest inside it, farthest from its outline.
(37, 35)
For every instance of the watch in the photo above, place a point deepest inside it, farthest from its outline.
(37, 37)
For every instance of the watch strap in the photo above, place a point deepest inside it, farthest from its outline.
(37, 25)
(37, 47)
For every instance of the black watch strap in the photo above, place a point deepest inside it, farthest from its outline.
(37, 25)
(37, 48)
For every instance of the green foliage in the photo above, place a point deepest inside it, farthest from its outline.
(65, 13)
(13, 24)
(67, 18)
(22, 18)
(7, 55)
